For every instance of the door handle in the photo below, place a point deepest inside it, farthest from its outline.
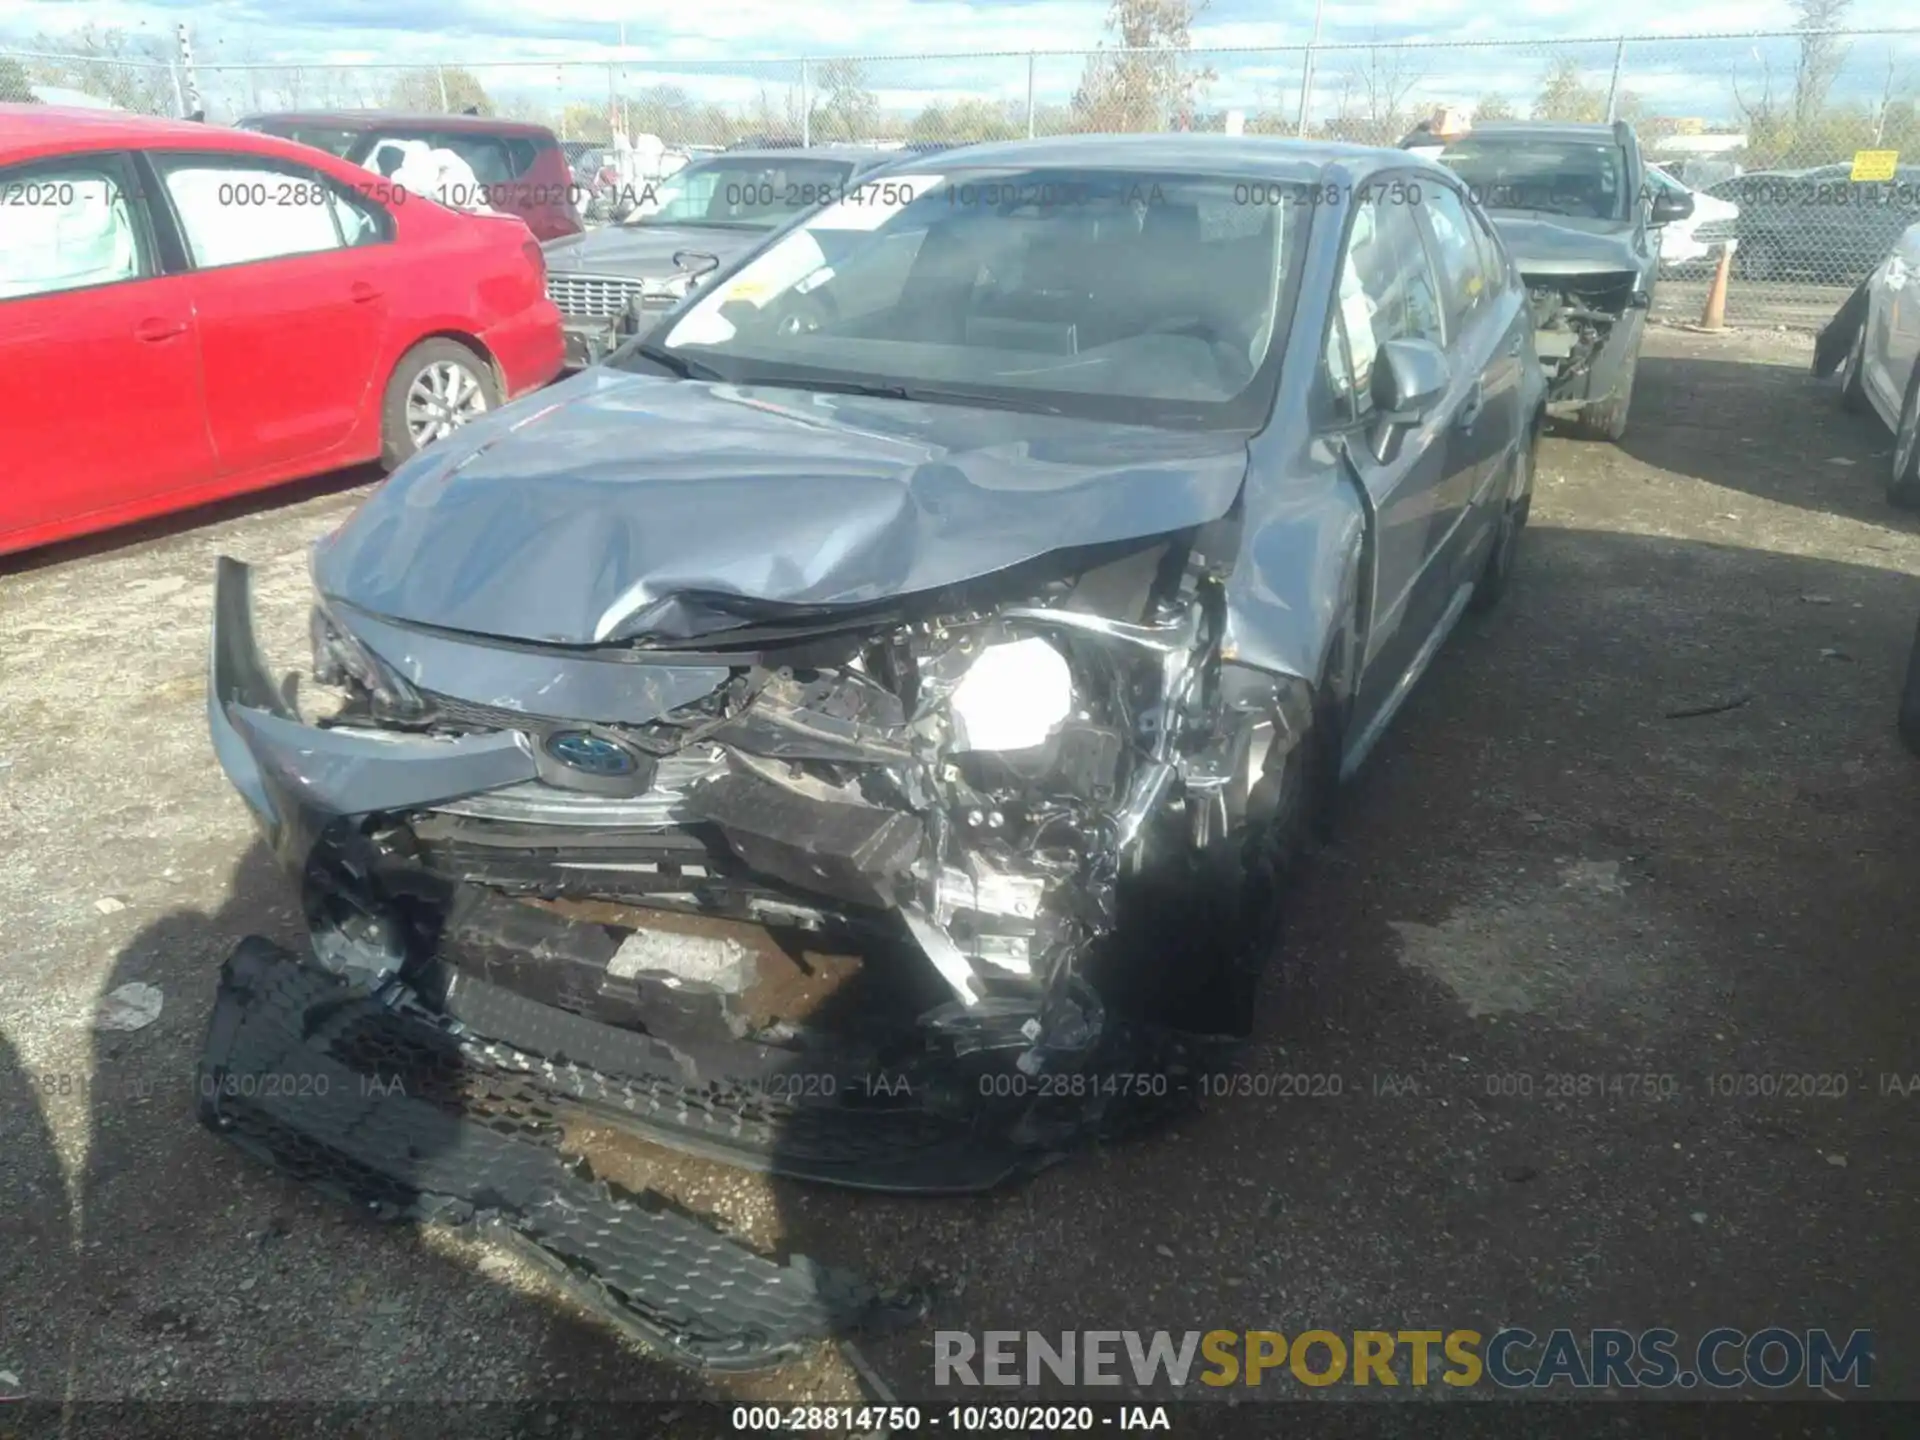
(153, 330)
(1516, 345)
(1470, 411)
(362, 292)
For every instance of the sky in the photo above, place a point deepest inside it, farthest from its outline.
(723, 49)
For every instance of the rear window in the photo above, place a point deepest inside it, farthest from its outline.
(330, 138)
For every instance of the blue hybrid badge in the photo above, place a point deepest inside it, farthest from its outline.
(592, 754)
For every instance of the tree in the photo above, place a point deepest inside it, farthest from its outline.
(1493, 107)
(1821, 54)
(439, 89)
(1564, 96)
(1144, 84)
(847, 109)
(131, 72)
(15, 86)
(1370, 99)
(967, 120)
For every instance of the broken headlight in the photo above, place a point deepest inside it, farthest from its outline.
(341, 660)
(1012, 697)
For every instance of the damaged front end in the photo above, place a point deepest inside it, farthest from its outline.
(914, 898)
(1586, 330)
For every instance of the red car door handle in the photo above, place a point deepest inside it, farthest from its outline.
(362, 292)
(152, 330)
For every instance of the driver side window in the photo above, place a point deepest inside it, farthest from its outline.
(1386, 292)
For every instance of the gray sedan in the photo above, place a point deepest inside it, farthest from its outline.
(983, 588)
(613, 280)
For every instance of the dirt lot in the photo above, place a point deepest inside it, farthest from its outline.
(1541, 875)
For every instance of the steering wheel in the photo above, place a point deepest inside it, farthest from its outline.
(802, 315)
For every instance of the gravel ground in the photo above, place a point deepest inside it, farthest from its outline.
(1541, 874)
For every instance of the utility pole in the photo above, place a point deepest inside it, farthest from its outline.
(191, 104)
(1306, 70)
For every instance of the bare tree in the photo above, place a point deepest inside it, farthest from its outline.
(848, 110)
(1144, 83)
(1821, 54)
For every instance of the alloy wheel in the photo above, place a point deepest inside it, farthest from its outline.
(444, 396)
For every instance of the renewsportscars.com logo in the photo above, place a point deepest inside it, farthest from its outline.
(1773, 1358)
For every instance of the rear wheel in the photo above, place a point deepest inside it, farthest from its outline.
(1494, 579)
(437, 387)
(1903, 485)
(1853, 388)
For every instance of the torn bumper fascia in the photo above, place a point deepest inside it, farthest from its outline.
(295, 776)
(368, 1100)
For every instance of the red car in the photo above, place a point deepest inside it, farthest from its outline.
(518, 167)
(189, 312)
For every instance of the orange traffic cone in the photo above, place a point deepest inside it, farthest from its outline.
(1714, 317)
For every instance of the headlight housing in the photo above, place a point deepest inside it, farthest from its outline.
(339, 659)
(1013, 696)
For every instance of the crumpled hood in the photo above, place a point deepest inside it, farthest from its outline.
(644, 252)
(1566, 245)
(617, 506)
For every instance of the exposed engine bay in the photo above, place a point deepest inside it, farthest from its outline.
(983, 781)
(1574, 317)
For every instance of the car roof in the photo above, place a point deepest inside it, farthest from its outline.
(53, 126)
(1542, 130)
(1271, 156)
(30, 130)
(856, 154)
(395, 120)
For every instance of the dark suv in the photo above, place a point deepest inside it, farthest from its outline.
(1574, 207)
(520, 168)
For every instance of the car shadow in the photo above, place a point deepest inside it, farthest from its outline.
(1720, 421)
(230, 1282)
(180, 522)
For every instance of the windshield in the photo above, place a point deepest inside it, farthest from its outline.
(1579, 178)
(1151, 298)
(742, 193)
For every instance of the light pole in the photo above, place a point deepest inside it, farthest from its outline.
(1306, 70)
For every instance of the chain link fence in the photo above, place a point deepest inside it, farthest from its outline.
(1764, 128)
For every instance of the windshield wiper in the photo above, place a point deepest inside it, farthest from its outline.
(679, 364)
(934, 396)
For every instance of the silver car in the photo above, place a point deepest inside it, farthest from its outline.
(609, 282)
(1882, 374)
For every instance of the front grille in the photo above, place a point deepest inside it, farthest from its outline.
(593, 296)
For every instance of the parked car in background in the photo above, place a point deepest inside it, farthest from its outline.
(519, 168)
(189, 312)
(1818, 224)
(1878, 332)
(613, 281)
(1697, 240)
(1575, 209)
(988, 579)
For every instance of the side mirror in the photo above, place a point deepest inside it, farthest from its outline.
(1409, 379)
(1670, 207)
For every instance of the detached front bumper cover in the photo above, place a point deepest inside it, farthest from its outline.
(350, 1093)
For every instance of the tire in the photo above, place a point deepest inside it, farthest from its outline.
(1607, 419)
(1853, 386)
(1903, 484)
(415, 378)
(1910, 698)
(1498, 572)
